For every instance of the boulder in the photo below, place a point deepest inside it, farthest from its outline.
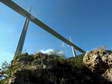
(100, 62)
(108, 74)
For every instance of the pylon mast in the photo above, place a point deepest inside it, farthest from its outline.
(22, 38)
(73, 49)
(74, 52)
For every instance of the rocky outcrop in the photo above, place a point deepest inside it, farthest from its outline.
(108, 74)
(52, 69)
(99, 61)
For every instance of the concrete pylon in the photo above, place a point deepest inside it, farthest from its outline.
(74, 52)
(73, 49)
(22, 38)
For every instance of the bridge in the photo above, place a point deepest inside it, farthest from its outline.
(39, 23)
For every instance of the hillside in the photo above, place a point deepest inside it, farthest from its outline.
(41, 68)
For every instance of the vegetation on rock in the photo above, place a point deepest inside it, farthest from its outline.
(50, 69)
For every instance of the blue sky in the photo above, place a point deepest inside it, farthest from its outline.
(88, 22)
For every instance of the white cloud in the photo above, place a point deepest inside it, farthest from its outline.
(53, 51)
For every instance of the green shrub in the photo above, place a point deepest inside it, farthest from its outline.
(76, 61)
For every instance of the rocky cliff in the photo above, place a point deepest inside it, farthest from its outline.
(94, 67)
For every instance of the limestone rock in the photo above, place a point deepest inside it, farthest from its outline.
(100, 62)
(108, 74)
